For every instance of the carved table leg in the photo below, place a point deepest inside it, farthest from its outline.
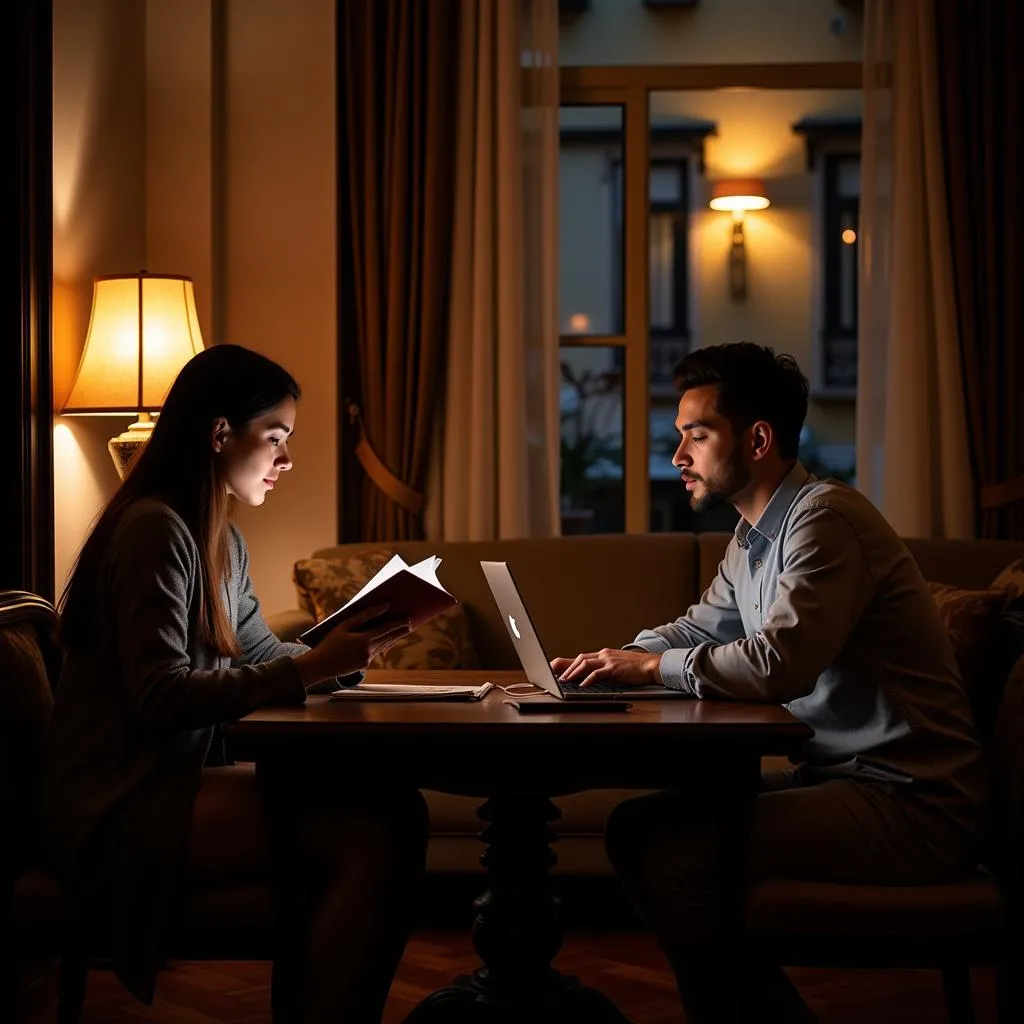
(517, 932)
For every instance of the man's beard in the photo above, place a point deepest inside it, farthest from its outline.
(723, 486)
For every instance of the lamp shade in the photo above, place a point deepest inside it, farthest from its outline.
(738, 194)
(142, 330)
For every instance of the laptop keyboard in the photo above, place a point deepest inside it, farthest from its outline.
(598, 687)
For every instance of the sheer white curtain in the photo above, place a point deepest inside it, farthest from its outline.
(495, 473)
(912, 452)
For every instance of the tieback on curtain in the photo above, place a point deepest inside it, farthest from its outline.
(383, 479)
(1006, 492)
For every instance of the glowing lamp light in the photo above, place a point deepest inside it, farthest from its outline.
(142, 330)
(737, 196)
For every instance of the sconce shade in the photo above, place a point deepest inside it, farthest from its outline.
(738, 194)
(142, 330)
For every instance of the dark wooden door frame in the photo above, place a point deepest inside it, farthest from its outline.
(26, 495)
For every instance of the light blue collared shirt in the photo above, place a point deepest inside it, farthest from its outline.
(821, 607)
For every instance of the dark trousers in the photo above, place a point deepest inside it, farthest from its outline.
(687, 858)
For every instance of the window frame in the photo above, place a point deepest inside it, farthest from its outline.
(680, 210)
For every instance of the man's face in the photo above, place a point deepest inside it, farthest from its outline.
(710, 457)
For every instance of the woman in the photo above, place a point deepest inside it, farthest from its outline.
(164, 640)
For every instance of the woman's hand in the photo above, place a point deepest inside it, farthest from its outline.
(351, 645)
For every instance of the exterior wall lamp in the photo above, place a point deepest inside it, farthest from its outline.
(738, 195)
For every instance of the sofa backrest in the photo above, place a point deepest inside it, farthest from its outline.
(970, 564)
(583, 593)
(597, 591)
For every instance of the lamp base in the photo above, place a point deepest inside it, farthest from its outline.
(129, 443)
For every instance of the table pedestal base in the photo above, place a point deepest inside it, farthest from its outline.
(471, 1000)
(517, 933)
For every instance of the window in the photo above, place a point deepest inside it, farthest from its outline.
(833, 156)
(595, 249)
(840, 221)
(669, 284)
(644, 266)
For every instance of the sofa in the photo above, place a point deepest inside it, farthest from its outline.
(587, 592)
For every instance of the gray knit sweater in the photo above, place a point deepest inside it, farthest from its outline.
(132, 724)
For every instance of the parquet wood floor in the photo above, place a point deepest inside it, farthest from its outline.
(626, 965)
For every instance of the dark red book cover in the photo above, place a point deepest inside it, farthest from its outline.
(407, 596)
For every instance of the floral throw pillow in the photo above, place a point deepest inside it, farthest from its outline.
(325, 584)
(970, 618)
(1011, 579)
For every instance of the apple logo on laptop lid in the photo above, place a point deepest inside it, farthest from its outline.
(515, 628)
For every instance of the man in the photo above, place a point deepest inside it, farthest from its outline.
(817, 605)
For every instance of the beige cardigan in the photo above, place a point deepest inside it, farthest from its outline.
(132, 723)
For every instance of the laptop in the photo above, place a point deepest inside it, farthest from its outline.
(532, 656)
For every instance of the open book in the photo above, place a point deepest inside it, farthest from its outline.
(412, 691)
(410, 592)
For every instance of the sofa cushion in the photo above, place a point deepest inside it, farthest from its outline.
(970, 618)
(1011, 578)
(325, 584)
(583, 593)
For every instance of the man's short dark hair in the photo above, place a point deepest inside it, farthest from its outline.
(753, 384)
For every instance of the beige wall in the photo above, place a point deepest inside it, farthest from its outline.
(98, 227)
(712, 32)
(280, 286)
(136, 166)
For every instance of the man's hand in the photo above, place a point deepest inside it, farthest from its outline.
(627, 668)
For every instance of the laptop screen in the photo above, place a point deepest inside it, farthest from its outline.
(520, 628)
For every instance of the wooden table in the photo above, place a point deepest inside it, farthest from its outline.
(516, 764)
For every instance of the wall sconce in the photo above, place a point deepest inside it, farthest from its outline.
(738, 195)
(142, 330)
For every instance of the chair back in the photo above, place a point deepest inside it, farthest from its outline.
(1006, 768)
(29, 665)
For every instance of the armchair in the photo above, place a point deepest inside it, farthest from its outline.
(230, 921)
(976, 921)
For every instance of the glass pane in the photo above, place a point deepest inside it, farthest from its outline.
(848, 270)
(848, 178)
(662, 271)
(592, 494)
(841, 364)
(590, 204)
(675, 146)
(666, 185)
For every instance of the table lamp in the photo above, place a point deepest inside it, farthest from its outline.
(142, 330)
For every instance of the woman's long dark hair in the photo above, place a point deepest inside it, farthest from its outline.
(177, 466)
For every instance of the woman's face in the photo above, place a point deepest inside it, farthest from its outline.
(251, 458)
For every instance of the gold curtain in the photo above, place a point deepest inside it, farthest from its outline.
(397, 89)
(912, 452)
(495, 474)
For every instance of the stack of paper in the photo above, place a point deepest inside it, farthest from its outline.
(411, 692)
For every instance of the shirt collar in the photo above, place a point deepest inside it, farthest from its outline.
(769, 522)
